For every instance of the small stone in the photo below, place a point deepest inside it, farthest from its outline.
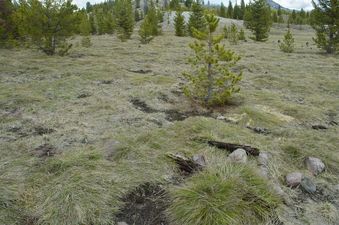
(263, 170)
(263, 159)
(200, 160)
(221, 118)
(308, 185)
(314, 165)
(294, 179)
(336, 188)
(122, 223)
(238, 156)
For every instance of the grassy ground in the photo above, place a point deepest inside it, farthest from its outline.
(95, 145)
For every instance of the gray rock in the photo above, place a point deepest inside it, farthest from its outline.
(221, 118)
(122, 223)
(263, 159)
(294, 179)
(314, 165)
(308, 185)
(336, 188)
(200, 160)
(238, 156)
(263, 171)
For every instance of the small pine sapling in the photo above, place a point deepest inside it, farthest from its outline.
(287, 45)
(242, 36)
(211, 81)
(233, 35)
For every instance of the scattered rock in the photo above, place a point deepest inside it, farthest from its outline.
(336, 188)
(263, 158)
(238, 156)
(122, 223)
(308, 185)
(84, 95)
(314, 165)
(259, 130)
(263, 164)
(333, 123)
(221, 118)
(319, 127)
(294, 179)
(199, 160)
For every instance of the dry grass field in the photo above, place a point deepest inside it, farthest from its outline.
(79, 133)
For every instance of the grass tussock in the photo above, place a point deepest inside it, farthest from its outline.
(221, 195)
(76, 188)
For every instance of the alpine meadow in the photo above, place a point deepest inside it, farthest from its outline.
(169, 112)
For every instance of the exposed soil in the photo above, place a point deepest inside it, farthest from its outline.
(145, 205)
(39, 130)
(44, 151)
(171, 114)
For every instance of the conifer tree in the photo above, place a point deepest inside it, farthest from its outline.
(47, 23)
(287, 44)
(7, 27)
(85, 30)
(124, 18)
(275, 17)
(230, 10)
(236, 12)
(242, 9)
(258, 19)
(233, 35)
(222, 12)
(325, 21)
(145, 31)
(188, 3)
(174, 4)
(179, 23)
(212, 81)
(154, 19)
(242, 35)
(197, 19)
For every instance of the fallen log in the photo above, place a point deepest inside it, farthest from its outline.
(188, 165)
(232, 147)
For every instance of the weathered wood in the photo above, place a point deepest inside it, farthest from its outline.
(232, 147)
(188, 165)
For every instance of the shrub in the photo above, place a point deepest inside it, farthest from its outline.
(221, 195)
(242, 35)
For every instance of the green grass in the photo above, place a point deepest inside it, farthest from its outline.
(223, 194)
(83, 183)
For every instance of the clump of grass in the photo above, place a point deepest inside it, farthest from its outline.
(224, 194)
(80, 189)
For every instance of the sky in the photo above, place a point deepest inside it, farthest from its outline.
(292, 4)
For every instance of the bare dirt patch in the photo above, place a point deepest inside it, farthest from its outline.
(145, 205)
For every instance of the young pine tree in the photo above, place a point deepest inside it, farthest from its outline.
(150, 26)
(124, 18)
(7, 27)
(258, 19)
(287, 44)
(242, 36)
(197, 19)
(145, 31)
(325, 21)
(230, 10)
(49, 35)
(179, 23)
(211, 81)
(222, 12)
(233, 35)
(85, 30)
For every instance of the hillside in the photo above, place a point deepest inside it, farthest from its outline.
(275, 5)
